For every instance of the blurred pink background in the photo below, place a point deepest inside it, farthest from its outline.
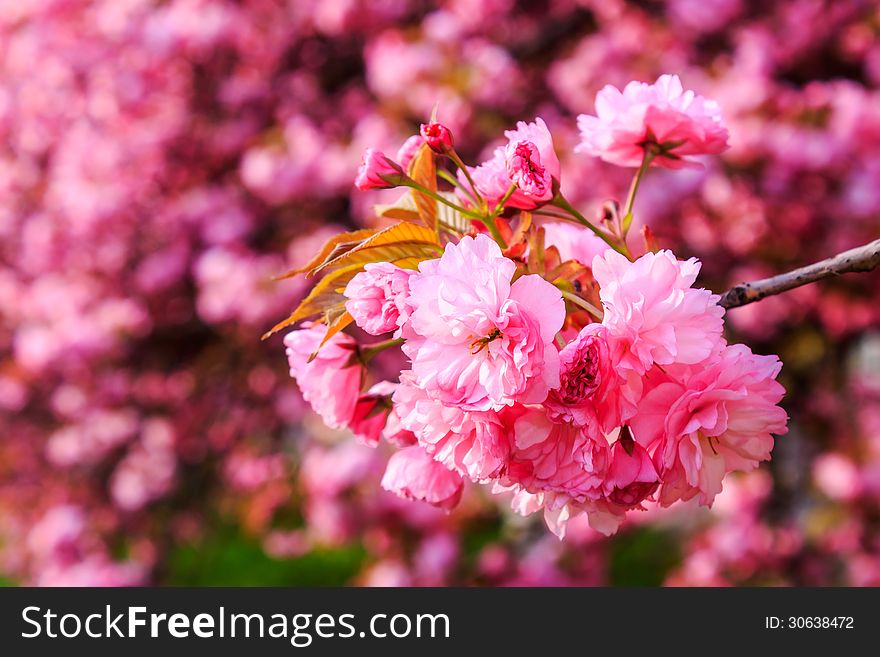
(161, 160)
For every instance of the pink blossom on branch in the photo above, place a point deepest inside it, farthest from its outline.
(537, 171)
(412, 474)
(473, 443)
(675, 124)
(593, 391)
(477, 341)
(703, 421)
(378, 172)
(652, 311)
(377, 297)
(331, 382)
(437, 136)
(525, 170)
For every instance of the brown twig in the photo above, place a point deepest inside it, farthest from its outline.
(860, 259)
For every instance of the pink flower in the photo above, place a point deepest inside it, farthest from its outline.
(653, 314)
(592, 392)
(377, 297)
(474, 444)
(378, 172)
(408, 151)
(631, 475)
(706, 420)
(493, 180)
(437, 136)
(675, 124)
(524, 169)
(371, 413)
(330, 383)
(414, 475)
(475, 340)
(556, 457)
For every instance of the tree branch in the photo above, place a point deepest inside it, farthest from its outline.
(861, 259)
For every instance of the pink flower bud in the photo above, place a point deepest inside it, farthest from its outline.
(437, 136)
(378, 172)
(525, 170)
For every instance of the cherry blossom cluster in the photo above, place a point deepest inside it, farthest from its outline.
(162, 159)
(514, 377)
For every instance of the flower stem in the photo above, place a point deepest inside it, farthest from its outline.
(448, 177)
(445, 201)
(633, 189)
(499, 208)
(583, 303)
(467, 174)
(560, 202)
(368, 352)
(489, 223)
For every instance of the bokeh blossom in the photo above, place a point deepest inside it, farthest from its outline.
(162, 161)
(672, 124)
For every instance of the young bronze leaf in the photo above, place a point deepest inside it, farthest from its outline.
(536, 251)
(353, 237)
(326, 294)
(423, 169)
(450, 218)
(397, 242)
(568, 270)
(403, 209)
(335, 326)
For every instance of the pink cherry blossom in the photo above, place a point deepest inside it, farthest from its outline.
(675, 124)
(371, 413)
(414, 475)
(706, 420)
(557, 457)
(631, 475)
(525, 170)
(473, 443)
(492, 177)
(331, 382)
(377, 297)
(569, 471)
(653, 313)
(437, 136)
(592, 390)
(478, 341)
(378, 172)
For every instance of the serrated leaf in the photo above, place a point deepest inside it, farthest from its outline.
(567, 271)
(423, 169)
(326, 294)
(403, 209)
(450, 217)
(397, 242)
(333, 244)
(336, 326)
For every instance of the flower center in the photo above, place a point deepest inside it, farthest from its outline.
(581, 380)
(481, 343)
